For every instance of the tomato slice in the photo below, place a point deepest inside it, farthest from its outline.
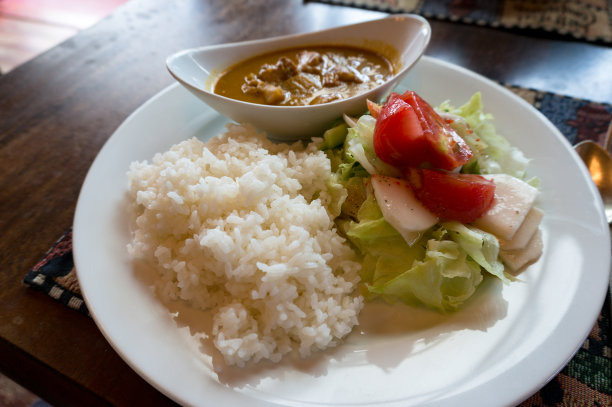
(452, 150)
(398, 136)
(452, 196)
(409, 133)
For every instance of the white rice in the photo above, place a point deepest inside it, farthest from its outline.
(244, 227)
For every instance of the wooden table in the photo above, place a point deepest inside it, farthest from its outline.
(57, 111)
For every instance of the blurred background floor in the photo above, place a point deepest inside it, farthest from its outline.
(13, 395)
(29, 28)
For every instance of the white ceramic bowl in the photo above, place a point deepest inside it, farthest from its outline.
(401, 38)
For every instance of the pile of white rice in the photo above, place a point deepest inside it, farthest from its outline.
(243, 226)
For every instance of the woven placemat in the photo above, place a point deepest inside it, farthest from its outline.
(587, 378)
(55, 275)
(588, 20)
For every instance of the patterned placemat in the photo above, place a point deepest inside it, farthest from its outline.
(587, 378)
(589, 20)
(55, 275)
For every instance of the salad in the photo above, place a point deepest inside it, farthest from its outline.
(434, 200)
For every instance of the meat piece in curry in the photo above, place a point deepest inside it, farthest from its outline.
(304, 76)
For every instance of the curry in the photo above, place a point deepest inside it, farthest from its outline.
(304, 76)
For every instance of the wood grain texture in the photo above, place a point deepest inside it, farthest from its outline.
(571, 68)
(57, 111)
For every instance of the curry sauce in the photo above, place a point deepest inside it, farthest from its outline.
(304, 76)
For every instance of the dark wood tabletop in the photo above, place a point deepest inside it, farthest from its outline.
(57, 111)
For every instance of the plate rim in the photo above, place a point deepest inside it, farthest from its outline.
(100, 322)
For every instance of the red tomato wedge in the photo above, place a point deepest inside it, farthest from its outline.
(409, 133)
(452, 196)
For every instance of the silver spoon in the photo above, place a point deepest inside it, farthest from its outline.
(599, 163)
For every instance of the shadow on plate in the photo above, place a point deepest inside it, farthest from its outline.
(381, 326)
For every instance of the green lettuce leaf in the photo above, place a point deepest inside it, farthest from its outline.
(481, 246)
(436, 271)
(493, 153)
(443, 280)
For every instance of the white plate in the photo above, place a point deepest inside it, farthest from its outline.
(505, 345)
